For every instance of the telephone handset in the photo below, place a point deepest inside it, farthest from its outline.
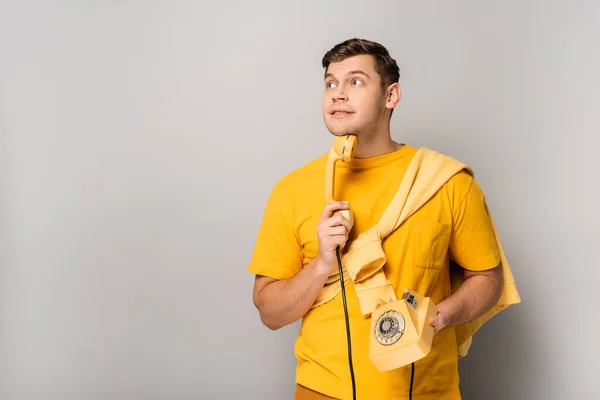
(342, 149)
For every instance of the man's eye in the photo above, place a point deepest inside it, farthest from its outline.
(330, 85)
(356, 82)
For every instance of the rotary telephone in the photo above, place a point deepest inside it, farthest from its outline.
(400, 330)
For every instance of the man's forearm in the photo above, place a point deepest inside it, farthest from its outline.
(282, 302)
(475, 297)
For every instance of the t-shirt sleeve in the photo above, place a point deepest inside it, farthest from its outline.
(473, 243)
(277, 253)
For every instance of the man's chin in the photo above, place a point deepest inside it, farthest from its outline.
(339, 131)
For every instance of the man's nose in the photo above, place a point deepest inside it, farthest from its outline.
(339, 94)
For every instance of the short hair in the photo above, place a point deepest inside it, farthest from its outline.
(385, 65)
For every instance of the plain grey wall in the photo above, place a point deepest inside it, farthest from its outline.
(139, 143)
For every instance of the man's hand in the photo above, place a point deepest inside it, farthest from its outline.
(281, 302)
(332, 231)
(438, 322)
(479, 292)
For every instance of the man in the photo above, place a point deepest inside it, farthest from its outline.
(295, 252)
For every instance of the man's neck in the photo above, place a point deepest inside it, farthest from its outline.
(375, 146)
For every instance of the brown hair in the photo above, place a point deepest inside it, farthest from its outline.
(385, 65)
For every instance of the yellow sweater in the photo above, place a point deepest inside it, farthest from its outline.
(364, 258)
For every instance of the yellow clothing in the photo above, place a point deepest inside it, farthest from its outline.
(364, 257)
(453, 224)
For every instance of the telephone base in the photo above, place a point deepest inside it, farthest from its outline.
(400, 331)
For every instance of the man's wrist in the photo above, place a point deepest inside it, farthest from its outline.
(447, 309)
(321, 268)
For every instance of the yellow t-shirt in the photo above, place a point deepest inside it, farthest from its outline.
(451, 225)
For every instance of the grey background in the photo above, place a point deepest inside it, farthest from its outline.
(140, 140)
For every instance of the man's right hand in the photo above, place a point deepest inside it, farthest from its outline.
(332, 231)
(281, 302)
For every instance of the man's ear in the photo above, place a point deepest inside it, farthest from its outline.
(393, 93)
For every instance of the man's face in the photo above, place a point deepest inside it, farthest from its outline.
(353, 100)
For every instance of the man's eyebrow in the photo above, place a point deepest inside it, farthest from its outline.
(358, 71)
(355, 72)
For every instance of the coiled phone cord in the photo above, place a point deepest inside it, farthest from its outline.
(341, 272)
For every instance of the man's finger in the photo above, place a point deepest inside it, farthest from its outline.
(338, 220)
(337, 231)
(333, 207)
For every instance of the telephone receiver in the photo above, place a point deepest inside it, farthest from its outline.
(342, 149)
(400, 330)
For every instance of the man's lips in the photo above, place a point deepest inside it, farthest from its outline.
(339, 114)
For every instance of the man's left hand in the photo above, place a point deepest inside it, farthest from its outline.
(438, 322)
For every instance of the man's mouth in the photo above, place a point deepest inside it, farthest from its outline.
(341, 114)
